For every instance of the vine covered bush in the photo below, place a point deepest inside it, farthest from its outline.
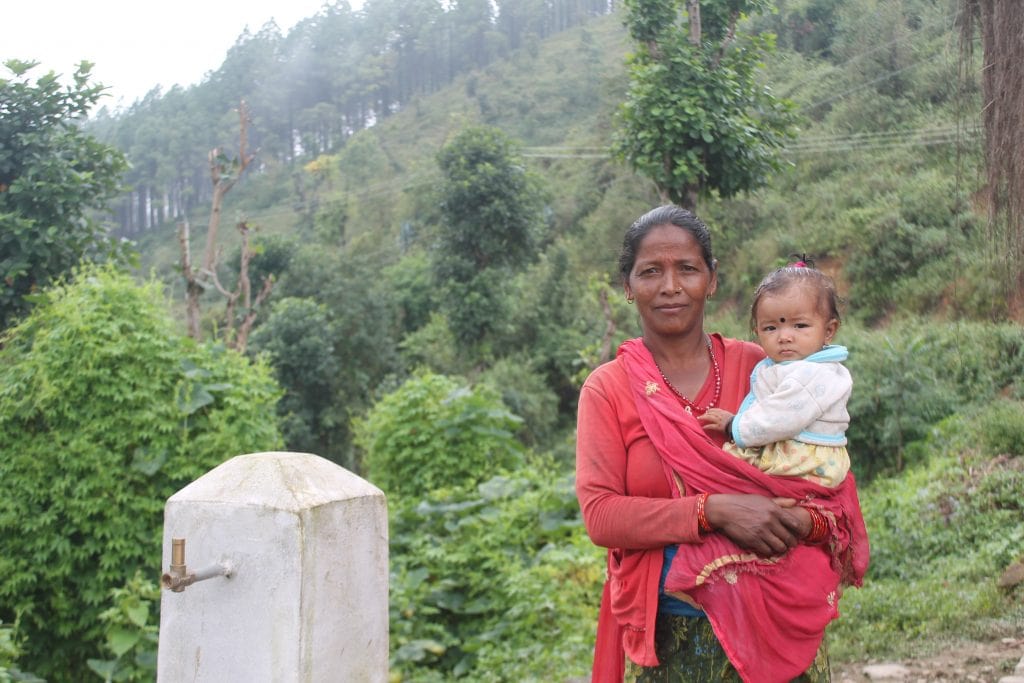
(105, 411)
(494, 582)
(492, 575)
(435, 431)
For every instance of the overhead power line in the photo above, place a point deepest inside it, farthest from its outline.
(919, 137)
(916, 137)
(944, 20)
(566, 152)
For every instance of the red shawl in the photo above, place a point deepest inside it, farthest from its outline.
(769, 614)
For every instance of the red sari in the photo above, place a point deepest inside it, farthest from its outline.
(769, 614)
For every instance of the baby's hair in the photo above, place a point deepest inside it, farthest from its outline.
(799, 273)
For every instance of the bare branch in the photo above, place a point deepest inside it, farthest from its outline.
(224, 178)
(215, 281)
(244, 286)
(250, 317)
(224, 175)
(730, 35)
(192, 287)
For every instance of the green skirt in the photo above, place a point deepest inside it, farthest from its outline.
(689, 653)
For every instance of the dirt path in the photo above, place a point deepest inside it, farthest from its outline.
(960, 662)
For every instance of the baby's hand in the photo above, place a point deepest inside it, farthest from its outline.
(715, 419)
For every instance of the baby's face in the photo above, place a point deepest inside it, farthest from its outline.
(791, 324)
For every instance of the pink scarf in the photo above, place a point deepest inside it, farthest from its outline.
(769, 614)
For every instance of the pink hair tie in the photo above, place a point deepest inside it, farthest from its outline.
(802, 261)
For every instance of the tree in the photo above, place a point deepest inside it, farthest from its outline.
(434, 431)
(54, 178)
(1001, 24)
(695, 118)
(490, 216)
(105, 411)
(299, 339)
(224, 173)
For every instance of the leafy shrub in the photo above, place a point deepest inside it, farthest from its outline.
(105, 411)
(495, 582)
(948, 526)
(897, 396)
(434, 431)
(9, 653)
(433, 346)
(917, 372)
(131, 633)
(525, 392)
(298, 339)
(1002, 428)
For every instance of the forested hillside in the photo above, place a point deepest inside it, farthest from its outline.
(424, 244)
(333, 75)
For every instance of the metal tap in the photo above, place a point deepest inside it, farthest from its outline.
(177, 578)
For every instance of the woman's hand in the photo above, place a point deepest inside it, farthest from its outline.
(765, 526)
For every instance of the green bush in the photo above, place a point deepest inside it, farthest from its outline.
(914, 373)
(434, 431)
(1002, 428)
(525, 392)
(131, 633)
(298, 340)
(105, 411)
(495, 582)
(9, 653)
(949, 527)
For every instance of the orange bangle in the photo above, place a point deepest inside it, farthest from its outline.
(702, 520)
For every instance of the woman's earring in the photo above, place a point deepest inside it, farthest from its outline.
(630, 299)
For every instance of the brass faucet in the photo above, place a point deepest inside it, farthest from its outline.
(177, 578)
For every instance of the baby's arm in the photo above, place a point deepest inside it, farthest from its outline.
(716, 419)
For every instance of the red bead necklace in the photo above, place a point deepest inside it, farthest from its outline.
(689, 405)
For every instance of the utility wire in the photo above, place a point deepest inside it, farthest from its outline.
(917, 137)
(836, 67)
(883, 77)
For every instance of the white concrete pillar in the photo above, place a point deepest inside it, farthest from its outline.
(307, 596)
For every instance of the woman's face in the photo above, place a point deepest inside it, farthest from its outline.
(670, 281)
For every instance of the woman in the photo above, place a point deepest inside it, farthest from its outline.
(637, 506)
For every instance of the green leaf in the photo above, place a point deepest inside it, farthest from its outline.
(138, 614)
(193, 398)
(148, 460)
(121, 640)
(105, 668)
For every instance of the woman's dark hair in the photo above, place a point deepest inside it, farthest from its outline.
(798, 274)
(669, 214)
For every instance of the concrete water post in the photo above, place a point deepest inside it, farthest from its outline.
(291, 575)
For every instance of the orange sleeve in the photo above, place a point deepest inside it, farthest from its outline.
(620, 481)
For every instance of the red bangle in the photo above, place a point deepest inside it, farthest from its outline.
(702, 520)
(819, 526)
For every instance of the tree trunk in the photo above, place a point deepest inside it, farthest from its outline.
(693, 17)
(1002, 28)
(192, 287)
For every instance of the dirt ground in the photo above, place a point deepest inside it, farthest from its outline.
(965, 661)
